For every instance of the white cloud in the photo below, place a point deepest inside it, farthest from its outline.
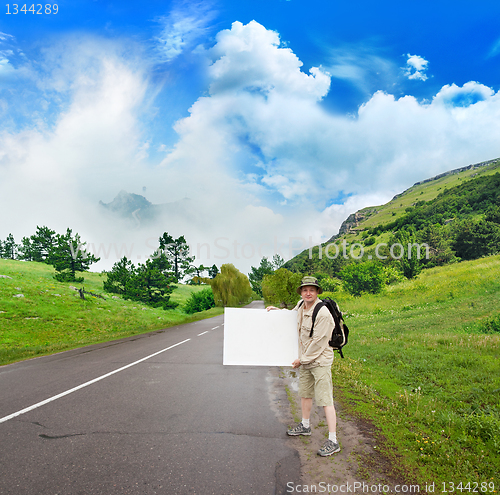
(258, 156)
(55, 176)
(248, 58)
(416, 67)
(6, 68)
(363, 66)
(182, 27)
(5, 37)
(263, 109)
(469, 94)
(495, 49)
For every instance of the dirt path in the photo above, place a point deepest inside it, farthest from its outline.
(357, 462)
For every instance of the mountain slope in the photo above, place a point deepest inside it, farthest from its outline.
(425, 190)
(434, 209)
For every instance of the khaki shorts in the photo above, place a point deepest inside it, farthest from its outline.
(317, 383)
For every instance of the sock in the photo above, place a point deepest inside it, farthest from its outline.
(332, 435)
(305, 423)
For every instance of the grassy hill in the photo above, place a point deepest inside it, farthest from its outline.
(434, 208)
(51, 317)
(428, 190)
(423, 364)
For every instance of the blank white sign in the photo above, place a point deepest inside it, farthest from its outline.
(257, 337)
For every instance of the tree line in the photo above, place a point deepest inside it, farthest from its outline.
(65, 252)
(151, 282)
(461, 223)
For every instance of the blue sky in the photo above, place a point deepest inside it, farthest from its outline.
(276, 118)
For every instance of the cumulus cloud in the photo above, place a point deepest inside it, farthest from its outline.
(469, 94)
(416, 67)
(263, 110)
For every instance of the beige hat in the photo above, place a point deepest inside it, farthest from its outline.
(309, 281)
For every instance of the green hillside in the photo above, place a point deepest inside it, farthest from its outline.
(424, 191)
(51, 317)
(374, 216)
(457, 215)
(423, 365)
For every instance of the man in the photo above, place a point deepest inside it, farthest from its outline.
(315, 363)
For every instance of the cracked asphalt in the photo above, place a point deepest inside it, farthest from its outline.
(177, 423)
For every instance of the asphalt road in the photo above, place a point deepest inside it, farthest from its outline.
(178, 422)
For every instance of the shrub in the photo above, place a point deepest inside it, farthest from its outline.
(363, 277)
(200, 301)
(330, 284)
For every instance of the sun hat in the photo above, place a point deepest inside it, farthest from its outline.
(309, 281)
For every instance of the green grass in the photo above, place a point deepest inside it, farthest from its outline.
(51, 317)
(424, 365)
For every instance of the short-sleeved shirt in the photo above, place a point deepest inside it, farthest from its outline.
(314, 351)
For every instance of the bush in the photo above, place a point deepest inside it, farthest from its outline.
(492, 325)
(330, 284)
(363, 277)
(200, 301)
(476, 239)
(392, 275)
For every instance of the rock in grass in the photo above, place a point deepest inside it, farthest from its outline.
(18, 295)
(5, 276)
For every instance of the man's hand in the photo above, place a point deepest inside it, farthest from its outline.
(296, 363)
(269, 308)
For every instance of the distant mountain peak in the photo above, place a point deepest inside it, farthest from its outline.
(139, 211)
(126, 203)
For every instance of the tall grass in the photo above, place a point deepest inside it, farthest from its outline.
(423, 362)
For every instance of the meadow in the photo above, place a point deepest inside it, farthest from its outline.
(51, 317)
(423, 365)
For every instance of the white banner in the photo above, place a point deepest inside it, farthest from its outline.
(257, 337)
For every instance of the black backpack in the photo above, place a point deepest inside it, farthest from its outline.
(340, 332)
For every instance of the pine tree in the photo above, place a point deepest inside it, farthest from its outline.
(148, 284)
(69, 256)
(26, 249)
(10, 248)
(43, 241)
(257, 274)
(213, 271)
(177, 254)
(120, 274)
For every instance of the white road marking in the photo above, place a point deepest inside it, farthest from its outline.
(86, 384)
(216, 327)
(202, 333)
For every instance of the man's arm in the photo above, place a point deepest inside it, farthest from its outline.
(270, 308)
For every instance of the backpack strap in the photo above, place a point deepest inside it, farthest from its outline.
(315, 313)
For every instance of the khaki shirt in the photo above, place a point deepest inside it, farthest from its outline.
(314, 351)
